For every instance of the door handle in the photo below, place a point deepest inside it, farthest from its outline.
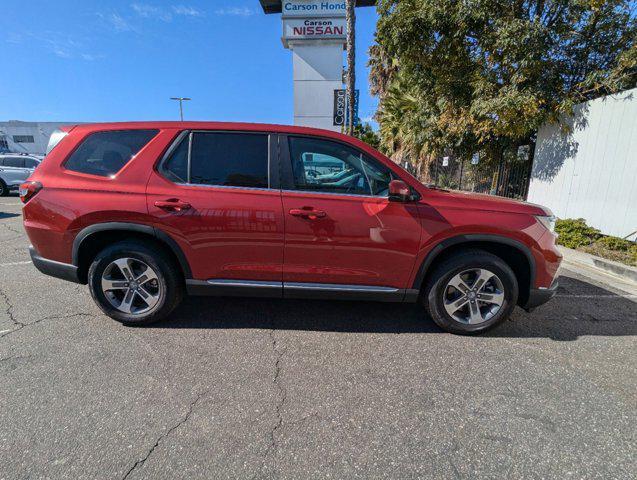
(308, 213)
(173, 205)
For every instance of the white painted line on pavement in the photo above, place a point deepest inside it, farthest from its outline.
(26, 262)
(4, 331)
(596, 296)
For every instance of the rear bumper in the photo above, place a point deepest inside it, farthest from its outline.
(53, 268)
(539, 296)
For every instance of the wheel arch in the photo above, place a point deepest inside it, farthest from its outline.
(90, 240)
(517, 255)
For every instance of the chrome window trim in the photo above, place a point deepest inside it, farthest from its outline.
(188, 160)
(233, 187)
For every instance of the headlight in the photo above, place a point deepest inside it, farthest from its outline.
(548, 221)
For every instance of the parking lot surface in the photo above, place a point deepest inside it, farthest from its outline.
(246, 388)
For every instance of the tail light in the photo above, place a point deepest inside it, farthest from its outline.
(28, 190)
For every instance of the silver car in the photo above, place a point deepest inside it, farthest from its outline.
(15, 169)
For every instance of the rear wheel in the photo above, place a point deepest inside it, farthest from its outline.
(4, 190)
(471, 292)
(134, 284)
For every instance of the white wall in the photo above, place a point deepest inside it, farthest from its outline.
(591, 171)
(318, 71)
(40, 131)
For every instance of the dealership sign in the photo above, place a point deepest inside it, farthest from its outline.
(316, 28)
(313, 8)
(341, 112)
(340, 106)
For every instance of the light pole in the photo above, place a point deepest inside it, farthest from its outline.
(181, 105)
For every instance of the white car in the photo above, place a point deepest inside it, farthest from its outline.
(15, 168)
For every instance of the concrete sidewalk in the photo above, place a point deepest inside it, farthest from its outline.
(613, 275)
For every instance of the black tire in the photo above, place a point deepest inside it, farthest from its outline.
(437, 283)
(4, 190)
(170, 283)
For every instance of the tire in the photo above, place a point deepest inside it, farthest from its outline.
(4, 190)
(162, 286)
(491, 301)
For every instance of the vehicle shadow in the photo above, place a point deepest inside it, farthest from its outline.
(4, 215)
(579, 309)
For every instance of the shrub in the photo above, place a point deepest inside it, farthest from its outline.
(574, 233)
(627, 258)
(615, 243)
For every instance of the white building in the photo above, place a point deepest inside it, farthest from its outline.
(589, 169)
(315, 31)
(27, 137)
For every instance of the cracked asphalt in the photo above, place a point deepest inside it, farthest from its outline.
(247, 388)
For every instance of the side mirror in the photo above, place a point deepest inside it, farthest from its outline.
(399, 191)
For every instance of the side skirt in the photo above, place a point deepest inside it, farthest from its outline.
(322, 291)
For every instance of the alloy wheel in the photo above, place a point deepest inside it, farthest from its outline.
(473, 296)
(131, 286)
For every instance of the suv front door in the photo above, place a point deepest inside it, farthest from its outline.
(214, 194)
(342, 234)
(13, 171)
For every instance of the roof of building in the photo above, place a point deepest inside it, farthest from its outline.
(274, 6)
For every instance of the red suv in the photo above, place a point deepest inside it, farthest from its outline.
(147, 212)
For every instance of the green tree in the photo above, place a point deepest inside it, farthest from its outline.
(483, 75)
(366, 133)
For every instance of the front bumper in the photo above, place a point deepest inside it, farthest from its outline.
(53, 268)
(539, 296)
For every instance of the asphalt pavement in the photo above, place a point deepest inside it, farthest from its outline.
(247, 388)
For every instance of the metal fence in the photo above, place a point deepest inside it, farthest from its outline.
(508, 177)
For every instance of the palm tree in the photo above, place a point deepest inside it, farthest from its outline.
(351, 58)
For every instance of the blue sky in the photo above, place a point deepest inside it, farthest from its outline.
(89, 60)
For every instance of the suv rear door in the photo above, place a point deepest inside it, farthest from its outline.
(215, 194)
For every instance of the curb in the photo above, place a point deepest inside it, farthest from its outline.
(626, 273)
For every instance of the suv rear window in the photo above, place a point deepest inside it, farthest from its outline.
(105, 153)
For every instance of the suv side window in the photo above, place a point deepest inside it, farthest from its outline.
(224, 159)
(30, 163)
(16, 162)
(105, 153)
(175, 168)
(332, 167)
(230, 159)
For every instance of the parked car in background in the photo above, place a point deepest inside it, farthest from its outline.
(15, 168)
(146, 212)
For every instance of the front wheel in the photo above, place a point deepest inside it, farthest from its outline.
(471, 292)
(4, 190)
(134, 284)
